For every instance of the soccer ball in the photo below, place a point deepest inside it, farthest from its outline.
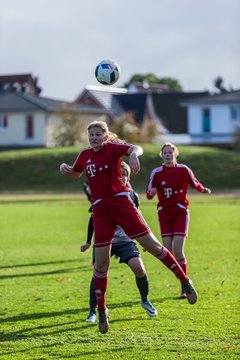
(107, 72)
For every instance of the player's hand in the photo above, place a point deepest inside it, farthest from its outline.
(134, 163)
(206, 191)
(65, 169)
(84, 247)
(153, 192)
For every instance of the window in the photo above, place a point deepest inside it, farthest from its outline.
(206, 120)
(3, 121)
(233, 113)
(29, 126)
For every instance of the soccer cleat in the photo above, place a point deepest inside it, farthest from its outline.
(92, 317)
(190, 291)
(103, 324)
(183, 293)
(150, 309)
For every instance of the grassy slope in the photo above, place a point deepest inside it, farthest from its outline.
(38, 169)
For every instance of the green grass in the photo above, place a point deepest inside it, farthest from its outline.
(38, 169)
(45, 285)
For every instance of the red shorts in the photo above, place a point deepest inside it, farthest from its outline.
(113, 211)
(174, 220)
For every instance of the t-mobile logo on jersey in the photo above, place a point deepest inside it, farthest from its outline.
(167, 192)
(91, 170)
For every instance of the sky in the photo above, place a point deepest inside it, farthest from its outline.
(62, 41)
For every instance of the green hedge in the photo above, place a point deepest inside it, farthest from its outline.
(38, 169)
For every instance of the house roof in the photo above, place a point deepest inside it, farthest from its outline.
(130, 103)
(21, 78)
(8, 83)
(168, 108)
(165, 108)
(102, 94)
(21, 102)
(144, 86)
(232, 97)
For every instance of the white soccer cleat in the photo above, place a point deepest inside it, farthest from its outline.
(92, 317)
(150, 309)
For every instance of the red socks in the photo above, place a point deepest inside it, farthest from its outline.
(100, 285)
(184, 265)
(171, 263)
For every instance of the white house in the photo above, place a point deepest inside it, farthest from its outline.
(213, 119)
(29, 121)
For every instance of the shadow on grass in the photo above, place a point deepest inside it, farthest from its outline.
(36, 316)
(79, 355)
(39, 263)
(54, 272)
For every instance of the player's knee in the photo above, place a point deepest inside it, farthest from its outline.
(140, 272)
(101, 267)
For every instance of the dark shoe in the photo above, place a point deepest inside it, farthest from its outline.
(190, 291)
(183, 293)
(103, 324)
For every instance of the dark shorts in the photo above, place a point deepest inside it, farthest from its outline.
(123, 250)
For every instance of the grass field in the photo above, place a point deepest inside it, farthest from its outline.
(45, 285)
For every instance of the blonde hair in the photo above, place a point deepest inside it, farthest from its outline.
(173, 147)
(104, 127)
(126, 167)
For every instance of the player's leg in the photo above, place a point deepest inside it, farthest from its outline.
(152, 245)
(102, 260)
(135, 226)
(180, 233)
(128, 253)
(168, 243)
(104, 229)
(92, 296)
(179, 242)
(93, 303)
(138, 268)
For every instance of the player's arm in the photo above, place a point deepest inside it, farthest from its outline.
(134, 152)
(67, 170)
(136, 199)
(151, 190)
(86, 190)
(195, 183)
(87, 245)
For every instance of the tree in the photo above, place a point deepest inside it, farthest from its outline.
(71, 131)
(219, 85)
(125, 127)
(151, 78)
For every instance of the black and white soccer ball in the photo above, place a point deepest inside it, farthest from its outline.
(107, 72)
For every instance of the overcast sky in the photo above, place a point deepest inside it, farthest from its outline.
(61, 41)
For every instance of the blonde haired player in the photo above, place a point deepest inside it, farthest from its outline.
(125, 249)
(170, 182)
(112, 207)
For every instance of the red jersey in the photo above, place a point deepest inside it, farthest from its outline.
(103, 169)
(172, 184)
